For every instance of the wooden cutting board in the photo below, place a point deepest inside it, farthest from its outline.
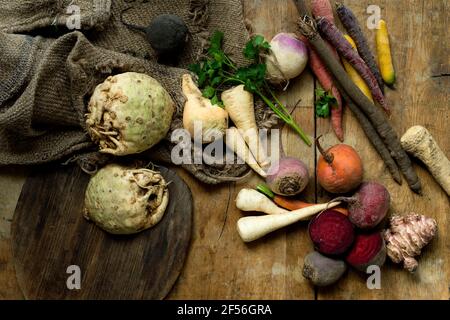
(49, 234)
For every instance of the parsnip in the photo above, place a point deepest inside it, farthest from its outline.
(252, 200)
(236, 143)
(199, 111)
(253, 228)
(239, 105)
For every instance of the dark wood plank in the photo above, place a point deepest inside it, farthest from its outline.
(49, 234)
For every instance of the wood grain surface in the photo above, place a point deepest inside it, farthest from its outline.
(220, 266)
(49, 234)
(271, 267)
(420, 98)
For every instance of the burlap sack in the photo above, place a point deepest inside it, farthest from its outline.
(27, 15)
(45, 82)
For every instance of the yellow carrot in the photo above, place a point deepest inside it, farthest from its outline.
(384, 54)
(354, 75)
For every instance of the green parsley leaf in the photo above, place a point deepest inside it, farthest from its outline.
(216, 101)
(209, 92)
(254, 46)
(215, 42)
(323, 102)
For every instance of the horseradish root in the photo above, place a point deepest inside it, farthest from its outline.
(407, 236)
(420, 143)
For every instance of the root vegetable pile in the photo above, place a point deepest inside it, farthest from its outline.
(239, 104)
(252, 228)
(290, 203)
(376, 116)
(336, 38)
(217, 72)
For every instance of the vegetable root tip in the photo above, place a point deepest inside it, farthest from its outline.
(398, 179)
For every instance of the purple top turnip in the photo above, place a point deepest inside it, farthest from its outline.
(288, 58)
(288, 176)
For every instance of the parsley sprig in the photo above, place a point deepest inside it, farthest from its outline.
(324, 102)
(218, 71)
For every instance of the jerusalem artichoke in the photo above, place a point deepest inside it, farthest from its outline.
(407, 236)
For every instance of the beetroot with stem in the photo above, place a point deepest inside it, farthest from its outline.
(367, 250)
(331, 232)
(369, 205)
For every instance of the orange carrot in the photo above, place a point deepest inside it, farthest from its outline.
(326, 81)
(322, 8)
(290, 203)
(294, 204)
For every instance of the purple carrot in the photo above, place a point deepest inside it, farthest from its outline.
(353, 28)
(336, 38)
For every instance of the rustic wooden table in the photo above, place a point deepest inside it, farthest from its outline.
(221, 266)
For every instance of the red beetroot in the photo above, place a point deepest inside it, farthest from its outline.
(369, 206)
(367, 250)
(331, 232)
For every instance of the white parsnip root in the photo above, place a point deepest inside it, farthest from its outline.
(252, 200)
(240, 107)
(200, 113)
(253, 228)
(419, 142)
(235, 142)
